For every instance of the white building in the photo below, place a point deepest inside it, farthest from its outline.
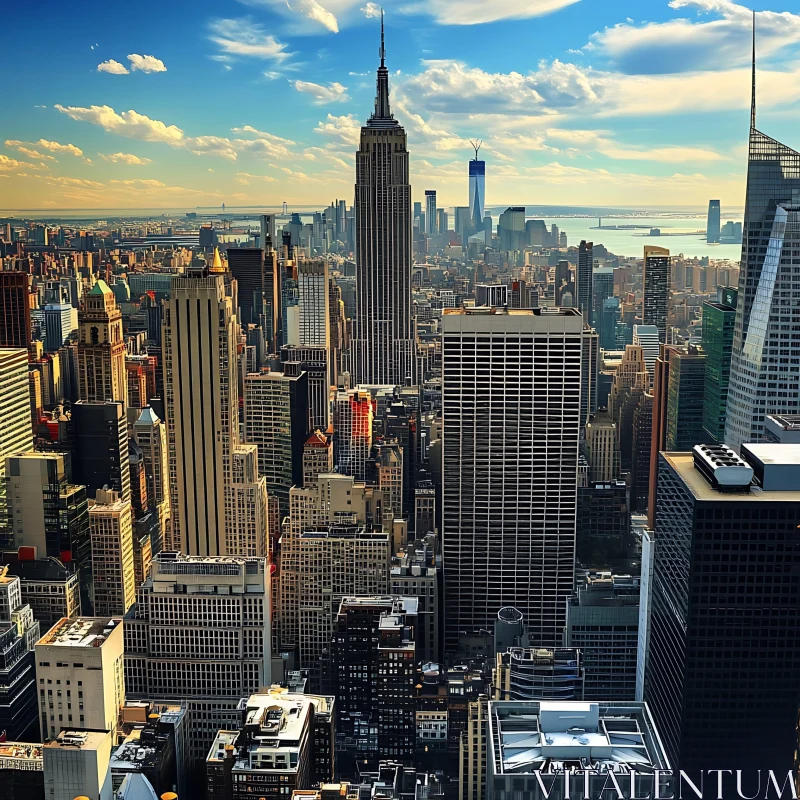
(511, 392)
(76, 764)
(150, 434)
(647, 337)
(79, 675)
(200, 632)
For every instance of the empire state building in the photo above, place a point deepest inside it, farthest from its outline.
(383, 346)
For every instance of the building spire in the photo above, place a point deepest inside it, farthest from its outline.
(753, 89)
(383, 113)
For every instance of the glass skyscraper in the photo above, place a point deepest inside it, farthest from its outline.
(477, 191)
(765, 360)
(718, 322)
(712, 224)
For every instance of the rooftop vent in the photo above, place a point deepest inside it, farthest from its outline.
(722, 468)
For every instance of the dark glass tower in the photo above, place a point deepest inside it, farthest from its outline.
(723, 666)
(583, 280)
(719, 319)
(765, 363)
(383, 341)
(712, 225)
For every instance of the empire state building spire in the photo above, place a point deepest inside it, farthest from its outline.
(383, 344)
(382, 117)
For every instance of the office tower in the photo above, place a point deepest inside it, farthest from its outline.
(603, 624)
(647, 337)
(515, 547)
(15, 310)
(49, 513)
(472, 751)
(655, 288)
(15, 412)
(712, 223)
(719, 319)
(247, 266)
(101, 348)
(111, 536)
(583, 280)
(424, 508)
(491, 295)
(285, 744)
(81, 658)
(603, 539)
(641, 452)
(317, 366)
(247, 533)
(60, 320)
(317, 457)
(337, 560)
(372, 664)
(511, 228)
(276, 419)
(49, 587)
(352, 437)
(314, 310)
(332, 498)
(761, 383)
(414, 574)
(18, 634)
(607, 323)
(151, 436)
(530, 673)
(602, 290)
(76, 764)
(685, 394)
(723, 666)
(564, 292)
(201, 405)
(441, 221)
(384, 470)
(100, 455)
(477, 191)
(603, 447)
(200, 632)
(637, 753)
(383, 334)
(430, 212)
(590, 365)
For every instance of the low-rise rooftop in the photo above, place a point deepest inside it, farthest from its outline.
(80, 632)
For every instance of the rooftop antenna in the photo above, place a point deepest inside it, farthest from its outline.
(753, 90)
(383, 49)
(476, 145)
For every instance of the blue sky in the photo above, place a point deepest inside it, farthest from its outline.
(579, 102)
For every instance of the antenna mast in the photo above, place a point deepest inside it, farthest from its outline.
(476, 145)
(383, 49)
(753, 89)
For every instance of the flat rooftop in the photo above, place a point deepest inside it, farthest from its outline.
(533, 736)
(77, 740)
(683, 464)
(30, 754)
(80, 632)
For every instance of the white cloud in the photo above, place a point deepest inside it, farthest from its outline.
(328, 93)
(686, 45)
(243, 37)
(312, 10)
(125, 158)
(305, 16)
(346, 128)
(82, 182)
(55, 147)
(134, 125)
(244, 178)
(130, 124)
(7, 163)
(112, 67)
(358, 74)
(146, 63)
(139, 182)
(249, 129)
(371, 11)
(474, 12)
(27, 151)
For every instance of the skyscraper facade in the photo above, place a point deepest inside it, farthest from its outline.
(583, 280)
(477, 191)
(15, 411)
(712, 223)
(101, 348)
(247, 266)
(431, 219)
(763, 379)
(383, 343)
(201, 406)
(511, 421)
(655, 283)
(15, 311)
(719, 319)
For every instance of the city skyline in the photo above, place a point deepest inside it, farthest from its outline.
(606, 108)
